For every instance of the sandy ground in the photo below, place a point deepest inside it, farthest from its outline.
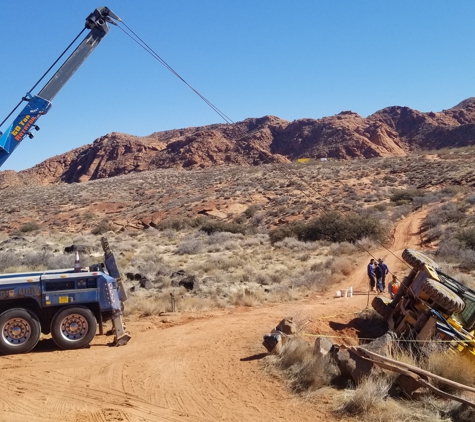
(195, 367)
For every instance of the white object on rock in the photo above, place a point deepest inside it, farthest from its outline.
(338, 293)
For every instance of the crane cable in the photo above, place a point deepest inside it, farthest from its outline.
(42, 77)
(148, 49)
(133, 35)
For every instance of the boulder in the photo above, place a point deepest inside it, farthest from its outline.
(287, 326)
(323, 346)
(352, 366)
(189, 283)
(145, 283)
(273, 342)
(382, 345)
(76, 248)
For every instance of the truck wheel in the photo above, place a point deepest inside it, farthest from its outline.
(417, 259)
(381, 306)
(20, 331)
(73, 328)
(443, 296)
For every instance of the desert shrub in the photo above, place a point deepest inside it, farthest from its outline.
(467, 237)
(470, 199)
(37, 259)
(181, 223)
(104, 226)
(449, 250)
(176, 224)
(448, 365)
(452, 190)
(247, 297)
(291, 243)
(343, 248)
(29, 226)
(218, 237)
(319, 281)
(289, 230)
(446, 213)
(221, 226)
(337, 227)
(369, 395)
(189, 247)
(8, 259)
(433, 234)
(400, 211)
(467, 260)
(251, 211)
(341, 265)
(419, 201)
(305, 370)
(406, 196)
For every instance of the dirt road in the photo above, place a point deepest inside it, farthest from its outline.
(201, 367)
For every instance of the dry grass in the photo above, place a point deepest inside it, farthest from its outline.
(303, 371)
(369, 403)
(453, 366)
(368, 396)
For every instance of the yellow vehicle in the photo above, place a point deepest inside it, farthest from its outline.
(431, 305)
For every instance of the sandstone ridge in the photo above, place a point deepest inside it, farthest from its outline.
(392, 131)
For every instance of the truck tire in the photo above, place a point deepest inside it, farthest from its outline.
(381, 306)
(20, 331)
(443, 296)
(73, 328)
(417, 259)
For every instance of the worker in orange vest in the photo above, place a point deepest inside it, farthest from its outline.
(393, 287)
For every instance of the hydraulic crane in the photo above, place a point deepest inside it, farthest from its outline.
(38, 105)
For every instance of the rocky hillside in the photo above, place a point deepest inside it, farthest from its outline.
(393, 131)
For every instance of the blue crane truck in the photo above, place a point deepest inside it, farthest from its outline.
(68, 304)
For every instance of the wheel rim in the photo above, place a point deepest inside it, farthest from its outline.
(74, 327)
(16, 331)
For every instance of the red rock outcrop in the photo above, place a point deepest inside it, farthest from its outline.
(392, 131)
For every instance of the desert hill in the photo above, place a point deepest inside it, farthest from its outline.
(392, 131)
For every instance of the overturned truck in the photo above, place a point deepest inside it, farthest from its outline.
(431, 305)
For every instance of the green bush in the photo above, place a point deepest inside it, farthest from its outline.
(282, 232)
(103, 227)
(221, 226)
(467, 237)
(29, 226)
(334, 227)
(337, 227)
(401, 197)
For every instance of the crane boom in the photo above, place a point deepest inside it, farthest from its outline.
(40, 104)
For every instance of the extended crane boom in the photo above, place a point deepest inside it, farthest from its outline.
(40, 104)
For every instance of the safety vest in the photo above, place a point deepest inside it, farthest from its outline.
(395, 287)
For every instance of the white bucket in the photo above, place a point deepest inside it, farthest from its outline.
(338, 293)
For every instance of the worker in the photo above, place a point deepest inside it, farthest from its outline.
(371, 275)
(393, 287)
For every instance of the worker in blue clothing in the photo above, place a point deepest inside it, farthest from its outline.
(371, 275)
(384, 273)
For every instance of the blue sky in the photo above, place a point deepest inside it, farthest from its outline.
(292, 59)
